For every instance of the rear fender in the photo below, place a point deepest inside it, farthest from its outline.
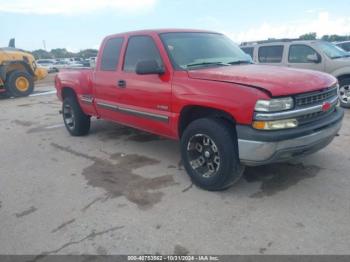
(80, 84)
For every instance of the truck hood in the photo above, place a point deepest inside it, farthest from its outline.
(278, 81)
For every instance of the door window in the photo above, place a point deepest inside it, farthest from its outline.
(140, 48)
(300, 54)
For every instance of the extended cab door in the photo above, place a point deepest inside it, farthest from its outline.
(304, 56)
(105, 79)
(144, 100)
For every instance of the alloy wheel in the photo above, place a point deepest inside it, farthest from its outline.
(68, 115)
(203, 155)
(344, 94)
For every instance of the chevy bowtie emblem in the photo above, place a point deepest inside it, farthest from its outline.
(326, 106)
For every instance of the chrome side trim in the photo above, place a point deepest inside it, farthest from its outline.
(144, 114)
(86, 99)
(293, 113)
(134, 112)
(107, 106)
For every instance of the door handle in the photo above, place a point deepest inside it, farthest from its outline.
(121, 83)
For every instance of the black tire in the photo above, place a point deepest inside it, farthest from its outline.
(15, 81)
(344, 92)
(4, 95)
(75, 120)
(222, 143)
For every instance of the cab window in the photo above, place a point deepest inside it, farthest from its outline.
(111, 53)
(270, 54)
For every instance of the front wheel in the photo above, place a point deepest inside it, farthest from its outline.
(75, 120)
(344, 92)
(210, 154)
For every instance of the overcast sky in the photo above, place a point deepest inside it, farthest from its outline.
(80, 24)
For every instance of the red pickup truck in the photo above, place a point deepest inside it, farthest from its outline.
(200, 88)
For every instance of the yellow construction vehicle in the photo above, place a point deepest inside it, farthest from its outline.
(18, 71)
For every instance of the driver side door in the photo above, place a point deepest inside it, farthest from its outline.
(298, 57)
(145, 100)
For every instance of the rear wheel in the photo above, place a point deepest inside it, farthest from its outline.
(19, 84)
(75, 120)
(210, 154)
(344, 92)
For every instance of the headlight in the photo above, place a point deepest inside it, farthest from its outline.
(273, 105)
(274, 125)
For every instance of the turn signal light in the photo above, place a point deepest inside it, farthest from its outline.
(275, 125)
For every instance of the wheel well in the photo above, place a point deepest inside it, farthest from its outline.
(343, 77)
(68, 92)
(18, 65)
(191, 113)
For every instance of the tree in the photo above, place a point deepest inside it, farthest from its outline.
(308, 36)
(61, 53)
(87, 53)
(335, 38)
(41, 54)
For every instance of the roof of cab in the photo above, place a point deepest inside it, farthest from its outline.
(160, 31)
(278, 42)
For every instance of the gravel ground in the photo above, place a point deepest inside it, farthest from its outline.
(122, 191)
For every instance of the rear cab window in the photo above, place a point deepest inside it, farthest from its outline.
(111, 54)
(140, 48)
(270, 54)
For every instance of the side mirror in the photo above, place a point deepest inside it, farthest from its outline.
(313, 58)
(149, 67)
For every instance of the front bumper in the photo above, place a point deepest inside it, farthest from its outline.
(277, 146)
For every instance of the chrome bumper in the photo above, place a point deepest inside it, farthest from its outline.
(255, 153)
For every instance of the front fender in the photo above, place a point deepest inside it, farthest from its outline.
(341, 71)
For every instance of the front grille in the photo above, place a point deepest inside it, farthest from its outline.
(314, 116)
(315, 97)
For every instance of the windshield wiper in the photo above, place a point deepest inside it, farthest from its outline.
(238, 62)
(207, 64)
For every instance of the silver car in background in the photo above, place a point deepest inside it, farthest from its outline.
(308, 54)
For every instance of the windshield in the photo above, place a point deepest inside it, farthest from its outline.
(197, 50)
(332, 51)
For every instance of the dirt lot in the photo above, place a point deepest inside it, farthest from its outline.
(121, 191)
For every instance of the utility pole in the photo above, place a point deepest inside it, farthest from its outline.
(44, 44)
